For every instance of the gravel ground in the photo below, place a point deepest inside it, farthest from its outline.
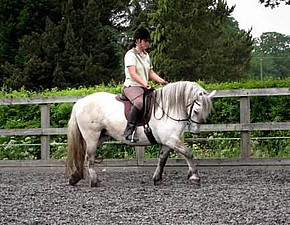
(227, 196)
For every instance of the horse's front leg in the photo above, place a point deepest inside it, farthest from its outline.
(164, 153)
(178, 146)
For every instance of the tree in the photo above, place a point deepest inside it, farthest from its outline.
(274, 3)
(198, 40)
(271, 56)
(93, 34)
(80, 49)
(82, 43)
(19, 18)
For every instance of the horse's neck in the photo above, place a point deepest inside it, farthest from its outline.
(170, 103)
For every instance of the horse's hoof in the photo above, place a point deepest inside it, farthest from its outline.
(157, 182)
(195, 180)
(95, 183)
(74, 180)
(157, 178)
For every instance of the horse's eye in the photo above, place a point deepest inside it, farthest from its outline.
(195, 111)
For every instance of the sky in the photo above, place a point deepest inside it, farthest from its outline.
(252, 14)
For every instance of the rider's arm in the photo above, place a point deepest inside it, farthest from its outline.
(156, 78)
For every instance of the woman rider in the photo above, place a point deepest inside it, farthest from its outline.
(138, 70)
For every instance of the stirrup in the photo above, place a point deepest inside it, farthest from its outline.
(132, 138)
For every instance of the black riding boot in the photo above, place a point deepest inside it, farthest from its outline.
(129, 132)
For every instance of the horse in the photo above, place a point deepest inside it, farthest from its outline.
(178, 107)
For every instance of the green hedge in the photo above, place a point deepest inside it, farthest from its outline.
(226, 110)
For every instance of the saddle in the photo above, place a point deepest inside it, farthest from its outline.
(147, 108)
(146, 113)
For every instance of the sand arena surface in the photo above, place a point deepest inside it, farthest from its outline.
(227, 196)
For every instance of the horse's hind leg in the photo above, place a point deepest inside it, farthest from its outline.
(91, 148)
(90, 157)
(164, 153)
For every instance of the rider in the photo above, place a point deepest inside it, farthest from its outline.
(138, 70)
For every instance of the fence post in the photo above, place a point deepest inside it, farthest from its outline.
(245, 117)
(45, 123)
(140, 155)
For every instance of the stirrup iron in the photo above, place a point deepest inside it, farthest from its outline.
(132, 137)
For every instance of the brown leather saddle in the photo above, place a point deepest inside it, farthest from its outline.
(147, 109)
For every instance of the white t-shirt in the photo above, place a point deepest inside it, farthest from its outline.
(142, 63)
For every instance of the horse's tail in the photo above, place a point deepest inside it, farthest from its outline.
(76, 147)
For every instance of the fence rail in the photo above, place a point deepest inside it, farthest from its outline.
(245, 126)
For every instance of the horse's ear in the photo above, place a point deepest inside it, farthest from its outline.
(212, 94)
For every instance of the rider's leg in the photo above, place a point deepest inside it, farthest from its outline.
(132, 123)
(135, 95)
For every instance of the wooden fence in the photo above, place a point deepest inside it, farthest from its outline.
(245, 126)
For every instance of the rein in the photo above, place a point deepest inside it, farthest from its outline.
(188, 119)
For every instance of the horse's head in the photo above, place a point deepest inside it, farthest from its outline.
(199, 109)
(185, 101)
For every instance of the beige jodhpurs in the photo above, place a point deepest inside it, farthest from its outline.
(135, 95)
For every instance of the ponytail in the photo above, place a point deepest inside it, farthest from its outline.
(131, 45)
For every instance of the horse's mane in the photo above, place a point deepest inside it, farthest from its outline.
(175, 97)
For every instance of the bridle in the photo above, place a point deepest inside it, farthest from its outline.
(188, 119)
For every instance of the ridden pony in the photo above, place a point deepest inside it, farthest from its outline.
(178, 107)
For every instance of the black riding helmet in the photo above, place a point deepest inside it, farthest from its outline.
(141, 33)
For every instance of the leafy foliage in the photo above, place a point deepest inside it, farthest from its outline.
(274, 3)
(198, 40)
(48, 44)
(271, 56)
(20, 148)
(75, 46)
